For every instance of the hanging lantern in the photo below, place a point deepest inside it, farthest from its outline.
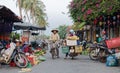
(114, 18)
(95, 21)
(100, 23)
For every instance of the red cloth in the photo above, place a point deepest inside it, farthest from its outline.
(28, 49)
(8, 46)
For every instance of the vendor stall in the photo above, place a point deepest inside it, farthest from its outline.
(27, 30)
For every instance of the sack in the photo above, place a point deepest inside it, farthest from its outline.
(65, 49)
(117, 55)
(113, 43)
(111, 61)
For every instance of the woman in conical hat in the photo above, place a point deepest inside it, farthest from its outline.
(55, 37)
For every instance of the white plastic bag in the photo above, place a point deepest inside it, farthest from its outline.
(117, 55)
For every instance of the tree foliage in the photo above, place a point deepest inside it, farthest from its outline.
(86, 10)
(62, 31)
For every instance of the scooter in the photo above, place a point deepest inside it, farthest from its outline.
(13, 54)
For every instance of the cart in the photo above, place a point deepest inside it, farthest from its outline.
(71, 47)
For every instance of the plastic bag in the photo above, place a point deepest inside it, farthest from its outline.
(111, 61)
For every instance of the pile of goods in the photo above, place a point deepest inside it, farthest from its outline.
(73, 38)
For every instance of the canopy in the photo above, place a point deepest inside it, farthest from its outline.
(27, 26)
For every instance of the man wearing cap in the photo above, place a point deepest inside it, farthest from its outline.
(55, 37)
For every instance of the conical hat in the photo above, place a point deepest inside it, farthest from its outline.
(54, 30)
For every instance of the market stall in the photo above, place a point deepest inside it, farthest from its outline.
(27, 29)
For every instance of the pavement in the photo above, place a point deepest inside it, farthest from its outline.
(81, 64)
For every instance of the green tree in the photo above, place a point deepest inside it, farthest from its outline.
(62, 31)
(34, 10)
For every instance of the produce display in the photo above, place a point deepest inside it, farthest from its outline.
(40, 52)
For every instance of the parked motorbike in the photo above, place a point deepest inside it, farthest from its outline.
(104, 52)
(13, 54)
(99, 51)
(39, 44)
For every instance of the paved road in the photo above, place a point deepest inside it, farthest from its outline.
(81, 64)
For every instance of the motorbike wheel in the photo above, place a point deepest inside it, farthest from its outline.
(93, 54)
(102, 56)
(72, 55)
(21, 60)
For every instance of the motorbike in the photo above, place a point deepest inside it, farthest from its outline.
(99, 51)
(13, 54)
(39, 44)
(104, 52)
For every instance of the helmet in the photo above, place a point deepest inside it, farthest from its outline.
(71, 31)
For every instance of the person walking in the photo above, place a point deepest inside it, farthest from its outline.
(55, 38)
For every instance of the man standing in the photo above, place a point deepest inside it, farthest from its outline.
(55, 38)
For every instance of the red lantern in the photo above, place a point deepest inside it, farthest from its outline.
(95, 21)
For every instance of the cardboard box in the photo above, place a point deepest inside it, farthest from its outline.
(78, 49)
(71, 42)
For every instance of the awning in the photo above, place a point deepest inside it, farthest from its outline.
(7, 15)
(7, 18)
(27, 26)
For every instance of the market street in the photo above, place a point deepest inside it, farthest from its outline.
(82, 64)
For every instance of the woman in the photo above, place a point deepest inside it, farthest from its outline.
(54, 38)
